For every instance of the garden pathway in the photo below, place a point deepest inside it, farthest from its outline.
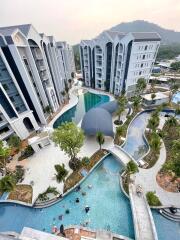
(147, 179)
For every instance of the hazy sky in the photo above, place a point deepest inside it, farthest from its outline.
(73, 20)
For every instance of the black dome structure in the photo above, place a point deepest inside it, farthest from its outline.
(97, 119)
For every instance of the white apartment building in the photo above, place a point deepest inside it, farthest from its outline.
(114, 61)
(32, 77)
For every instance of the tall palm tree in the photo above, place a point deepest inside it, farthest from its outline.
(141, 85)
(171, 122)
(122, 101)
(155, 142)
(100, 139)
(136, 103)
(120, 131)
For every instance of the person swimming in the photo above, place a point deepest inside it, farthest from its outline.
(60, 217)
(77, 200)
(87, 209)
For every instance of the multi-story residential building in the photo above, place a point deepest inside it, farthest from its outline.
(32, 77)
(114, 61)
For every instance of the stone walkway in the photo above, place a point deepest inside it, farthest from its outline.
(143, 221)
(147, 178)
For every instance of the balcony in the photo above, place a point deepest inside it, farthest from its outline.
(42, 68)
(5, 135)
(3, 123)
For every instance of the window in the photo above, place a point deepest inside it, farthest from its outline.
(17, 108)
(5, 86)
(141, 65)
(1, 119)
(140, 73)
(12, 99)
(145, 47)
(143, 56)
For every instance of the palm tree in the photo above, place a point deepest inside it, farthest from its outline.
(131, 167)
(7, 184)
(120, 131)
(153, 95)
(63, 93)
(141, 85)
(171, 122)
(136, 103)
(155, 142)
(122, 101)
(100, 139)
(61, 172)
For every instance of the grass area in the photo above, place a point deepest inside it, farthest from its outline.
(22, 193)
(76, 176)
(152, 157)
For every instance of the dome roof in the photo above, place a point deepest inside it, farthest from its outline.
(97, 119)
(111, 107)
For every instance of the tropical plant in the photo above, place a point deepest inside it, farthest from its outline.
(14, 142)
(52, 190)
(122, 101)
(153, 95)
(19, 174)
(174, 88)
(120, 131)
(171, 122)
(70, 139)
(67, 89)
(153, 123)
(4, 154)
(26, 153)
(131, 167)
(136, 103)
(152, 199)
(7, 183)
(175, 66)
(155, 142)
(61, 172)
(100, 139)
(141, 85)
(85, 161)
(48, 109)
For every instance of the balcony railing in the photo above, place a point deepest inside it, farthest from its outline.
(4, 135)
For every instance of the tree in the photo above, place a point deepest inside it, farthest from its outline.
(122, 101)
(63, 93)
(61, 172)
(7, 183)
(131, 167)
(136, 103)
(152, 199)
(48, 109)
(153, 95)
(70, 139)
(4, 154)
(100, 139)
(14, 142)
(141, 85)
(171, 122)
(155, 142)
(120, 131)
(175, 66)
(152, 90)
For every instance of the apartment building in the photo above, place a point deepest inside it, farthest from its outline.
(114, 61)
(32, 78)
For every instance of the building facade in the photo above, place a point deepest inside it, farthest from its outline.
(114, 61)
(32, 79)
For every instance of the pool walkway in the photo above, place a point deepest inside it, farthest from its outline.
(120, 154)
(144, 226)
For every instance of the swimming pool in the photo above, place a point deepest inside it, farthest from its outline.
(109, 207)
(176, 98)
(86, 101)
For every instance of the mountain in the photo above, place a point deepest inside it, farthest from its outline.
(168, 36)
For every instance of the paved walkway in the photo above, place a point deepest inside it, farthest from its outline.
(143, 221)
(147, 178)
(120, 154)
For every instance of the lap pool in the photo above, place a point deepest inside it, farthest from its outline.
(109, 207)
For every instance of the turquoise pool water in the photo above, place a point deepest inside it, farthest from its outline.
(85, 103)
(166, 229)
(109, 208)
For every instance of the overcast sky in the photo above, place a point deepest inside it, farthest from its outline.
(73, 20)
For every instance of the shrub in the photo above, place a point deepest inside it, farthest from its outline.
(14, 142)
(26, 153)
(85, 161)
(61, 172)
(152, 199)
(131, 167)
(19, 173)
(7, 183)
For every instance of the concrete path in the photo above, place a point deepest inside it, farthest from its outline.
(147, 178)
(143, 221)
(120, 154)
